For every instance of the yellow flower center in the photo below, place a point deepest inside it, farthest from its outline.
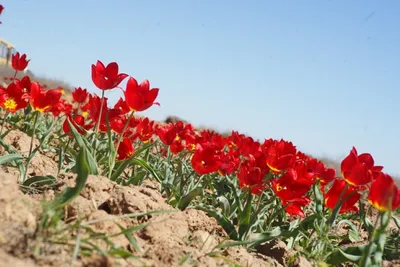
(273, 169)
(10, 104)
(42, 109)
(279, 187)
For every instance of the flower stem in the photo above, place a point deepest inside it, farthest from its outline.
(97, 126)
(114, 156)
(4, 121)
(124, 129)
(337, 208)
(101, 111)
(31, 145)
(15, 76)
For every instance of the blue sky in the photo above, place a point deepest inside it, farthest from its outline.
(322, 74)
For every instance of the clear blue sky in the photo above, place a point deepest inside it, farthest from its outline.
(323, 74)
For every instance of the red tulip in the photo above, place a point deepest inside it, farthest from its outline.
(80, 95)
(384, 194)
(125, 149)
(13, 98)
(42, 100)
(106, 78)
(140, 97)
(332, 196)
(19, 63)
(359, 169)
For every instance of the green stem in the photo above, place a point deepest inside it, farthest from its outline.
(101, 111)
(31, 144)
(64, 150)
(338, 206)
(365, 260)
(259, 203)
(97, 126)
(118, 143)
(4, 121)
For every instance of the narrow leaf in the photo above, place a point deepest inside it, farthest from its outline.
(245, 216)
(185, 201)
(70, 193)
(90, 160)
(9, 158)
(39, 181)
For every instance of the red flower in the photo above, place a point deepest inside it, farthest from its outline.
(24, 84)
(206, 159)
(321, 173)
(122, 106)
(61, 107)
(80, 95)
(332, 196)
(235, 140)
(384, 194)
(292, 188)
(359, 169)
(1, 10)
(44, 101)
(93, 106)
(230, 163)
(125, 149)
(19, 63)
(281, 156)
(140, 97)
(13, 98)
(106, 78)
(251, 176)
(117, 124)
(144, 130)
(78, 122)
(173, 135)
(294, 207)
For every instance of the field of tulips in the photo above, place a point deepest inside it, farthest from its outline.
(84, 183)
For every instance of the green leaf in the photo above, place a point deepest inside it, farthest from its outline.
(111, 147)
(10, 157)
(39, 181)
(319, 199)
(90, 160)
(350, 257)
(245, 216)
(221, 219)
(120, 252)
(354, 235)
(259, 239)
(70, 193)
(368, 224)
(42, 140)
(137, 178)
(10, 150)
(185, 200)
(128, 234)
(61, 156)
(346, 254)
(224, 204)
(396, 221)
(132, 160)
